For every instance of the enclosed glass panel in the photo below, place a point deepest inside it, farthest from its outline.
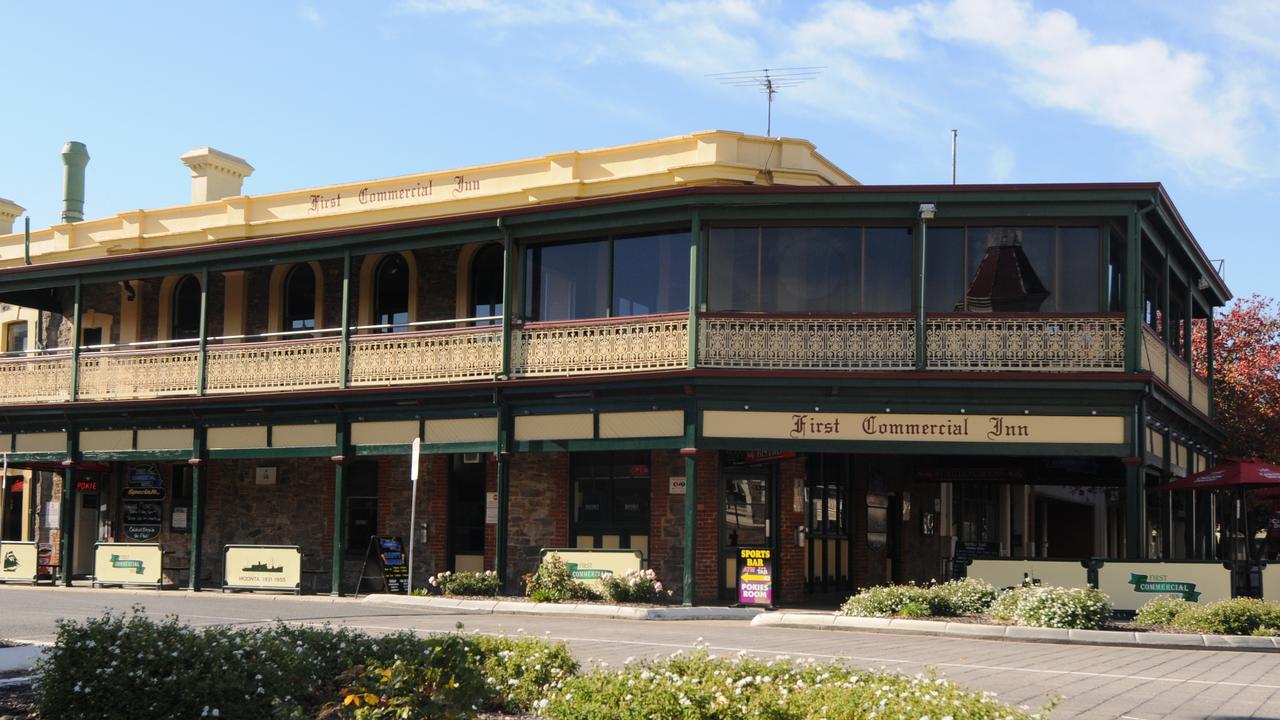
(300, 298)
(15, 337)
(391, 294)
(486, 284)
(886, 271)
(1079, 250)
(651, 274)
(733, 263)
(567, 282)
(944, 270)
(186, 309)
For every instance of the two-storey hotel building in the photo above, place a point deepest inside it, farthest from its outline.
(684, 346)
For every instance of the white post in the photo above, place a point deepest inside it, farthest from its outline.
(413, 504)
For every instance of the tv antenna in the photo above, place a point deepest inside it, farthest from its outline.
(769, 81)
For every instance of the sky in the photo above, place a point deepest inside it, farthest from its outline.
(315, 93)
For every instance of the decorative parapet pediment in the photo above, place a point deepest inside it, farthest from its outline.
(705, 158)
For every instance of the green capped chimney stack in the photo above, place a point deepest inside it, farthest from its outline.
(75, 156)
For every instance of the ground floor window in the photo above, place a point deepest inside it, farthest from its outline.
(610, 502)
(466, 512)
(977, 516)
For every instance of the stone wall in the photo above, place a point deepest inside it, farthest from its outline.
(538, 511)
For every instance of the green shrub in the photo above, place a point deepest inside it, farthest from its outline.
(957, 597)
(889, 600)
(129, 666)
(970, 596)
(442, 681)
(1054, 607)
(523, 670)
(552, 582)
(1162, 611)
(635, 586)
(702, 687)
(478, 584)
(1238, 616)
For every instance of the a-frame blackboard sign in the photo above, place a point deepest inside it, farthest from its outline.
(386, 554)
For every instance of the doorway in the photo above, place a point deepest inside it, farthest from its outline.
(361, 515)
(828, 520)
(13, 505)
(86, 527)
(466, 513)
(746, 517)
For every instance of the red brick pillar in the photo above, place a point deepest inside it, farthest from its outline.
(436, 482)
(490, 530)
(709, 568)
(789, 570)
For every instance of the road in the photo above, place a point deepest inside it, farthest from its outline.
(1091, 682)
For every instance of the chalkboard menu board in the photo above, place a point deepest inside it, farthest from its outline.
(387, 557)
(969, 550)
(142, 503)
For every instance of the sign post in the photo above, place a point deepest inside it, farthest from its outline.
(413, 504)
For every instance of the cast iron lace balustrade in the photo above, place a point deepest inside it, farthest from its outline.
(38, 378)
(432, 356)
(651, 342)
(1055, 343)
(266, 367)
(134, 374)
(806, 343)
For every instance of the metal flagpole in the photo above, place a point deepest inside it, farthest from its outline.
(413, 504)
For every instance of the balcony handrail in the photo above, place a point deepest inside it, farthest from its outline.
(1027, 315)
(615, 320)
(194, 342)
(759, 315)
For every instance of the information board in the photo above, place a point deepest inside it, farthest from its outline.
(755, 576)
(128, 564)
(142, 507)
(19, 562)
(386, 554)
(262, 567)
(1130, 585)
(588, 565)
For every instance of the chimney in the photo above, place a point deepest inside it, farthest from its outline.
(215, 174)
(74, 158)
(9, 211)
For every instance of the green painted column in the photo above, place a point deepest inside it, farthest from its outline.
(918, 285)
(690, 506)
(508, 291)
(67, 510)
(344, 364)
(197, 506)
(1133, 296)
(695, 281)
(75, 344)
(339, 506)
(1135, 493)
(202, 350)
(504, 503)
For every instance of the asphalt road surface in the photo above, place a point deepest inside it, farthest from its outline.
(1090, 682)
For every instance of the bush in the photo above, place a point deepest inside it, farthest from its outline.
(443, 681)
(119, 666)
(970, 596)
(1162, 611)
(465, 583)
(957, 597)
(703, 687)
(1238, 616)
(636, 586)
(1054, 607)
(889, 600)
(522, 671)
(552, 582)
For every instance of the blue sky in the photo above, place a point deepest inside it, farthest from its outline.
(321, 92)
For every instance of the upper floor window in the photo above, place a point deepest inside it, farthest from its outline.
(15, 336)
(486, 283)
(606, 277)
(1013, 269)
(391, 294)
(300, 298)
(837, 270)
(185, 322)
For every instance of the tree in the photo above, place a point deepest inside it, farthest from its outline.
(1246, 365)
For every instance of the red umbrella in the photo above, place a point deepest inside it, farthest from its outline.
(1233, 474)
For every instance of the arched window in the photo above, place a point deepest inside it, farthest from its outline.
(391, 294)
(185, 322)
(300, 298)
(486, 284)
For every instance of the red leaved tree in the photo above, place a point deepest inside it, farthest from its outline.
(1246, 362)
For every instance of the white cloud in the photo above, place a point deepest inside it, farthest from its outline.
(858, 28)
(1250, 23)
(310, 14)
(1000, 164)
(526, 12)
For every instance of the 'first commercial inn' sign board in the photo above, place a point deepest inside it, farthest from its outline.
(933, 428)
